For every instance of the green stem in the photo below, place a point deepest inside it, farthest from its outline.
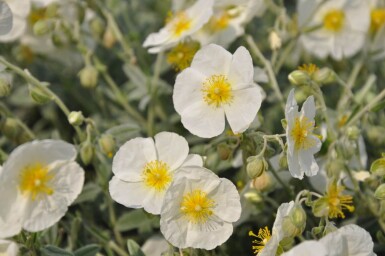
(280, 181)
(269, 69)
(349, 85)
(117, 249)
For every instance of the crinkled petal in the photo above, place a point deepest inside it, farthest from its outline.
(171, 149)
(307, 248)
(359, 241)
(193, 160)
(5, 18)
(307, 163)
(293, 164)
(241, 71)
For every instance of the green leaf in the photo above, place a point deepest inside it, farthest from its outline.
(88, 250)
(89, 193)
(379, 106)
(51, 250)
(136, 219)
(134, 248)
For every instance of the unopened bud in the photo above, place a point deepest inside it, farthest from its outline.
(107, 144)
(76, 118)
(88, 76)
(86, 152)
(263, 183)
(42, 27)
(283, 161)
(353, 132)
(380, 192)
(39, 95)
(299, 78)
(256, 165)
(10, 128)
(320, 207)
(5, 86)
(324, 76)
(224, 151)
(109, 38)
(376, 135)
(298, 216)
(253, 196)
(97, 27)
(275, 41)
(378, 167)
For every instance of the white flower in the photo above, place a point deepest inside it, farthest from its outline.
(270, 245)
(8, 248)
(144, 170)
(20, 10)
(350, 240)
(228, 21)
(302, 143)
(156, 245)
(5, 18)
(181, 25)
(38, 182)
(217, 84)
(343, 26)
(200, 209)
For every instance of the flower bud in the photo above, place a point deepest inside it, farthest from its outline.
(378, 167)
(263, 183)
(107, 144)
(76, 118)
(299, 78)
(353, 132)
(324, 76)
(320, 207)
(10, 128)
(275, 41)
(88, 76)
(298, 216)
(256, 165)
(283, 161)
(86, 152)
(380, 192)
(376, 135)
(42, 27)
(39, 95)
(5, 86)
(109, 38)
(253, 196)
(224, 151)
(97, 27)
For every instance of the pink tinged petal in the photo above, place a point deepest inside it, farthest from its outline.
(171, 149)
(241, 71)
(212, 60)
(307, 248)
(308, 108)
(294, 167)
(129, 161)
(243, 108)
(228, 204)
(193, 160)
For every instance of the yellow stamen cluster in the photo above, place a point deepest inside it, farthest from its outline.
(181, 56)
(34, 181)
(179, 23)
(334, 20)
(338, 202)
(218, 23)
(310, 69)
(156, 175)
(377, 20)
(197, 207)
(217, 90)
(263, 237)
(301, 132)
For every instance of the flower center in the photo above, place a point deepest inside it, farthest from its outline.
(34, 181)
(217, 90)
(377, 19)
(180, 23)
(156, 175)
(300, 133)
(263, 237)
(334, 20)
(197, 207)
(218, 23)
(337, 202)
(180, 56)
(310, 69)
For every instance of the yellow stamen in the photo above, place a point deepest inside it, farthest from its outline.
(180, 56)
(301, 132)
(218, 23)
(338, 202)
(377, 20)
(263, 237)
(156, 175)
(34, 181)
(309, 68)
(197, 207)
(217, 90)
(334, 20)
(180, 22)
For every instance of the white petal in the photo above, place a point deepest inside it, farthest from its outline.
(20, 8)
(334, 244)
(228, 202)
(283, 211)
(212, 60)
(294, 167)
(359, 241)
(270, 247)
(132, 156)
(243, 108)
(307, 248)
(8, 248)
(171, 148)
(135, 195)
(307, 163)
(241, 71)
(5, 18)
(67, 184)
(193, 160)
(291, 102)
(308, 108)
